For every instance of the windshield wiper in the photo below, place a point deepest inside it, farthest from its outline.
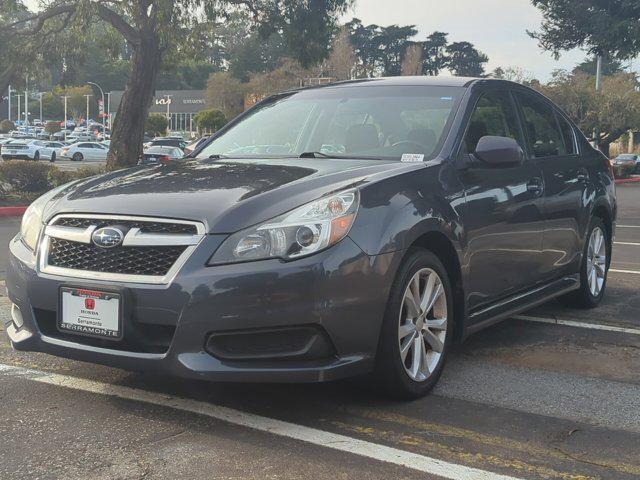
(217, 156)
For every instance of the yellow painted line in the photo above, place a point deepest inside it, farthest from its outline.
(492, 441)
(343, 443)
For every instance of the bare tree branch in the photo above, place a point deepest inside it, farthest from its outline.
(119, 23)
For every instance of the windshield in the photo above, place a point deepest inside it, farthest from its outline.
(379, 122)
(626, 156)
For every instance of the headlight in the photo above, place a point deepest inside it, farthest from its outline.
(32, 218)
(301, 232)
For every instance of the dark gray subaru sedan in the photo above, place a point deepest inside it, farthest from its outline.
(355, 228)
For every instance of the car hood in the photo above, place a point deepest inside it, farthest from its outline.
(225, 195)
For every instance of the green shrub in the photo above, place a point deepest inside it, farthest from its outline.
(6, 126)
(21, 176)
(210, 120)
(59, 177)
(623, 171)
(156, 124)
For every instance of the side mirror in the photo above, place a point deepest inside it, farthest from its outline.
(499, 151)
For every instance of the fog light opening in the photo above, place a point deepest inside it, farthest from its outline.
(16, 316)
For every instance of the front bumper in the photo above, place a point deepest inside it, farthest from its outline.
(339, 295)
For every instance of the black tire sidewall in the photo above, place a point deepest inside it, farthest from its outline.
(36, 156)
(390, 371)
(77, 157)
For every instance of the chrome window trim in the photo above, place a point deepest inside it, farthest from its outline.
(138, 239)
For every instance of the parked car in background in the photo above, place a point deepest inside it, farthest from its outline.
(22, 150)
(361, 227)
(190, 147)
(89, 151)
(157, 154)
(628, 159)
(51, 150)
(167, 142)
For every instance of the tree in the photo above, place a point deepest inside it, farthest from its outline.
(288, 76)
(210, 121)
(614, 110)
(514, 74)
(152, 29)
(156, 124)
(52, 127)
(6, 126)
(225, 93)
(610, 27)
(342, 59)
(465, 60)
(435, 54)
(393, 41)
(412, 62)
(610, 66)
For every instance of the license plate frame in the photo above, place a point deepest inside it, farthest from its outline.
(98, 326)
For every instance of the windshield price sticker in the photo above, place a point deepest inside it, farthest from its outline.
(412, 157)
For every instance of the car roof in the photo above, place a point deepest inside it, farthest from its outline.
(161, 148)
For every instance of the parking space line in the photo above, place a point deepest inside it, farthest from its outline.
(627, 226)
(310, 435)
(573, 323)
(627, 243)
(632, 272)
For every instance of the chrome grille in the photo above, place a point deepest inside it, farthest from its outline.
(152, 250)
(145, 226)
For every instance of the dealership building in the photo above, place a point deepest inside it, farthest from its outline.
(180, 105)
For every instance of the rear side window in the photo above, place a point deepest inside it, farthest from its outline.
(541, 126)
(493, 115)
(567, 135)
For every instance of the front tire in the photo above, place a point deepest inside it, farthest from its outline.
(417, 329)
(593, 269)
(77, 157)
(53, 157)
(36, 156)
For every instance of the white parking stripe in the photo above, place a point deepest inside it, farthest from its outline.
(632, 272)
(314, 436)
(627, 226)
(627, 243)
(573, 323)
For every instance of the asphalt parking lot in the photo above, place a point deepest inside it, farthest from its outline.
(551, 394)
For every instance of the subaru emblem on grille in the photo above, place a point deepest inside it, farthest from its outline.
(107, 237)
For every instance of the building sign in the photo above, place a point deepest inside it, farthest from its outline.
(178, 101)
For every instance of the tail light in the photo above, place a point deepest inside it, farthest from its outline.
(165, 158)
(611, 171)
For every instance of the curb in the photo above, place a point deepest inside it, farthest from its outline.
(12, 211)
(622, 181)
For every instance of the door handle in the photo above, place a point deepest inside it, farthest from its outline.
(583, 174)
(536, 186)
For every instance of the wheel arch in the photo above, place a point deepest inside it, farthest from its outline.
(440, 245)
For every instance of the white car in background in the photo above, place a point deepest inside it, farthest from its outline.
(51, 150)
(22, 150)
(89, 151)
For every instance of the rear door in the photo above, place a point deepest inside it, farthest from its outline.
(503, 216)
(552, 143)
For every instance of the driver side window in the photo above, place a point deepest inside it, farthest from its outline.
(494, 115)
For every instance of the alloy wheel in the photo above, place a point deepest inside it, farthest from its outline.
(596, 261)
(422, 327)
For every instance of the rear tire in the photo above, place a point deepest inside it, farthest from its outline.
(77, 157)
(593, 269)
(53, 157)
(36, 156)
(428, 329)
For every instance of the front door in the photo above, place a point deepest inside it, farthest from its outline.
(503, 216)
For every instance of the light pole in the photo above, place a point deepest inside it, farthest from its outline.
(19, 109)
(103, 105)
(168, 97)
(9, 103)
(596, 131)
(65, 117)
(26, 107)
(86, 121)
(40, 107)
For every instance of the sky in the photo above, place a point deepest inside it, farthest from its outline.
(496, 27)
